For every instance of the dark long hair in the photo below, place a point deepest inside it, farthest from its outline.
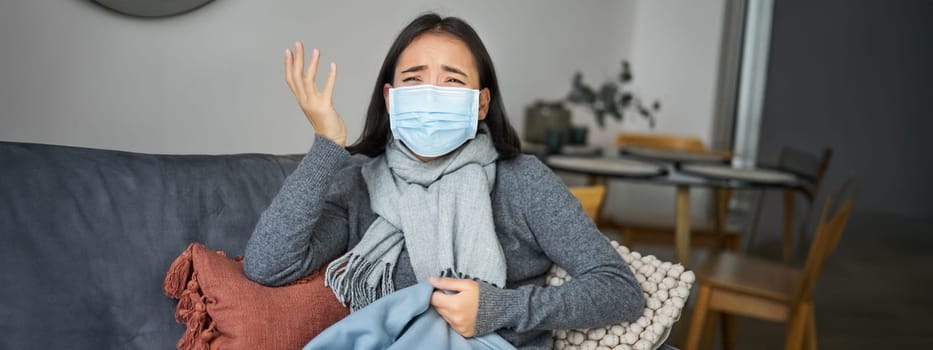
(376, 130)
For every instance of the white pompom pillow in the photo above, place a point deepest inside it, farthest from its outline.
(666, 287)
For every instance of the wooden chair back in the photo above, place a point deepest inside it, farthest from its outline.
(662, 141)
(732, 285)
(591, 197)
(824, 165)
(806, 165)
(833, 219)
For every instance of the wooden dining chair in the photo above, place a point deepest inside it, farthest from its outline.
(668, 142)
(733, 284)
(715, 235)
(591, 197)
(812, 169)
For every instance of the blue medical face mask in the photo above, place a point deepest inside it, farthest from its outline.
(433, 120)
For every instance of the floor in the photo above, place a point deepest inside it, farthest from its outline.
(875, 292)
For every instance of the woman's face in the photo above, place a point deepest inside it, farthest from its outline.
(438, 59)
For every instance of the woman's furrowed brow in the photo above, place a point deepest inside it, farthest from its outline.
(445, 67)
(415, 69)
(453, 70)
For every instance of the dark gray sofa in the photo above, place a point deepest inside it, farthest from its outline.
(87, 235)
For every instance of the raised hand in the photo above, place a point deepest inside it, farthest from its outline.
(317, 104)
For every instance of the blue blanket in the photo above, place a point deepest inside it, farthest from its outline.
(401, 320)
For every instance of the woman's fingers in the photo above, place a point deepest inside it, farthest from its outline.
(442, 301)
(458, 319)
(331, 81)
(445, 305)
(311, 73)
(288, 66)
(451, 284)
(288, 71)
(303, 80)
(317, 104)
(458, 308)
(299, 61)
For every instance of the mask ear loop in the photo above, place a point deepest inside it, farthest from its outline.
(482, 128)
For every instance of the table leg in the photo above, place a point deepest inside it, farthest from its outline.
(595, 180)
(788, 224)
(682, 238)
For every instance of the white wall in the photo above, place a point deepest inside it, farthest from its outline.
(211, 81)
(675, 57)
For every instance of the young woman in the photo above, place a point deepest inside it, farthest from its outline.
(437, 189)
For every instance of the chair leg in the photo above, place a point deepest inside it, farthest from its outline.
(699, 318)
(722, 213)
(734, 243)
(628, 237)
(594, 180)
(682, 232)
(753, 227)
(728, 331)
(797, 326)
(788, 224)
(709, 329)
(811, 331)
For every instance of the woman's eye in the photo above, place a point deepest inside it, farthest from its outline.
(411, 79)
(454, 80)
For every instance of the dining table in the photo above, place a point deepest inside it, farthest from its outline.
(682, 170)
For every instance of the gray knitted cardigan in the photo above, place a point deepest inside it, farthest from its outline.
(323, 210)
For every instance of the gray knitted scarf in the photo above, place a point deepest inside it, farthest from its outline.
(441, 211)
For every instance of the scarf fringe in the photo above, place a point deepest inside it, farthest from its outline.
(349, 278)
(449, 272)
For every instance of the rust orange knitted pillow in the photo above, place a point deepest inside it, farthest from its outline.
(221, 308)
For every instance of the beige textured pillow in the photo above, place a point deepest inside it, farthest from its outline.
(666, 288)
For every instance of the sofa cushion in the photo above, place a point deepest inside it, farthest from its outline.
(223, 309)
(88, 234)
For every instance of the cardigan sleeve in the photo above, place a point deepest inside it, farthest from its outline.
(306, 224)
(602, 291)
